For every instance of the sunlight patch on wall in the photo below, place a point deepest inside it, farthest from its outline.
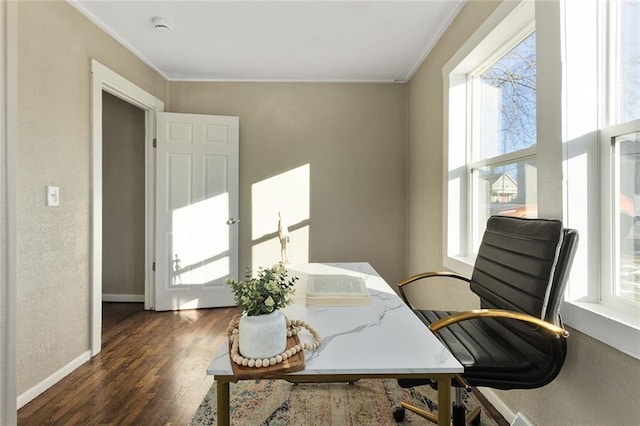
(286, 194)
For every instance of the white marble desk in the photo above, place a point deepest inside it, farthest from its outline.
(384, 340)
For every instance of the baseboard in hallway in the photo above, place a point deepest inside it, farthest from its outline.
(119, 298)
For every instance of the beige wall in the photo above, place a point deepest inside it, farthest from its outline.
(353, 136)
(55, 47)
(426, 157)
(123, 197)
(598, 384)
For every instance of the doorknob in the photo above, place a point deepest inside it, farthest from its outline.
(232, 221)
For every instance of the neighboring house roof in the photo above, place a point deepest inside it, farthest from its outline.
(504, 185)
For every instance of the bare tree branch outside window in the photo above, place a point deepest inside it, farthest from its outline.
(507, 120)
(510, 86)
(629, 51)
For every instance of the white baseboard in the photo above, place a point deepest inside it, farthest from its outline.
(35, 391)
(498, 404)
(138, 298)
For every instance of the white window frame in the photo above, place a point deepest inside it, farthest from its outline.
(610, 129)
(609, 225)
(569, 114)
(587, 134)
(510, 23)
(477, 219)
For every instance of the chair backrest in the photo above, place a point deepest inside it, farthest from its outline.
(523, 265)
(561, 275)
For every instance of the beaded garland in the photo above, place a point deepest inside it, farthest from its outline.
(293, 327)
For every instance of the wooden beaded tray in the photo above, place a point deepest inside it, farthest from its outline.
(291, 364)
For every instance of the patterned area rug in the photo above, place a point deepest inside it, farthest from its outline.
(366, 402)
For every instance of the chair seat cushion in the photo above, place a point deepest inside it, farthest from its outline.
(485, 344)
(500, 353)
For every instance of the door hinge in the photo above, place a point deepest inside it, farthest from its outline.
(155, 142)
(154, 266)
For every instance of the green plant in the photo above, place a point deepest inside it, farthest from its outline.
(268, 292)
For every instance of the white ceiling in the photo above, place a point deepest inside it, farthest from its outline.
(377, 41)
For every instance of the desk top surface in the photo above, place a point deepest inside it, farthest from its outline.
(385, 338)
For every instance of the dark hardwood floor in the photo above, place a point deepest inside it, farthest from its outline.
(151, 371)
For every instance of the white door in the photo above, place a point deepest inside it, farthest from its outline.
(196, 210)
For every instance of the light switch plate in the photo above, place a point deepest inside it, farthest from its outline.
(53, 196)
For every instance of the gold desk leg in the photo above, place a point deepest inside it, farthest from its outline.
(444, 402)
(222, 397)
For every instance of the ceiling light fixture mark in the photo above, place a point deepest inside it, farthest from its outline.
(160, 23)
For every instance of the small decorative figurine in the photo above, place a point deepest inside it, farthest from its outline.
(283, 235)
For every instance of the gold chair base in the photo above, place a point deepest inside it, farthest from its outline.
(433, 417)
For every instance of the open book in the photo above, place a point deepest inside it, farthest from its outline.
(337, 290)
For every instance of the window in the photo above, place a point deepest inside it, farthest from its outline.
(491, 133)
(620, 143)
(503, 119)
(568, 147)
(507, 189)
(626, 265)
(601, 126)
(625, 59)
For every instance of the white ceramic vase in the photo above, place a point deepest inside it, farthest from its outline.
(262, 336)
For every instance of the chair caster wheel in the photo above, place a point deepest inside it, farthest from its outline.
(398, 413)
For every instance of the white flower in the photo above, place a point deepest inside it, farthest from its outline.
(269, 301)
(279, 269)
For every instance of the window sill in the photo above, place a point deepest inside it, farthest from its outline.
(604, 324)
(459, 265)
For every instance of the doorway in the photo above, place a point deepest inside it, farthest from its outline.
(123, 208)
(105, 80)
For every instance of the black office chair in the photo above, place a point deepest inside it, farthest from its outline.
(516, 340)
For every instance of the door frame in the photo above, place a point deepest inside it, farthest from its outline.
(104, 79)
(8, 217)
